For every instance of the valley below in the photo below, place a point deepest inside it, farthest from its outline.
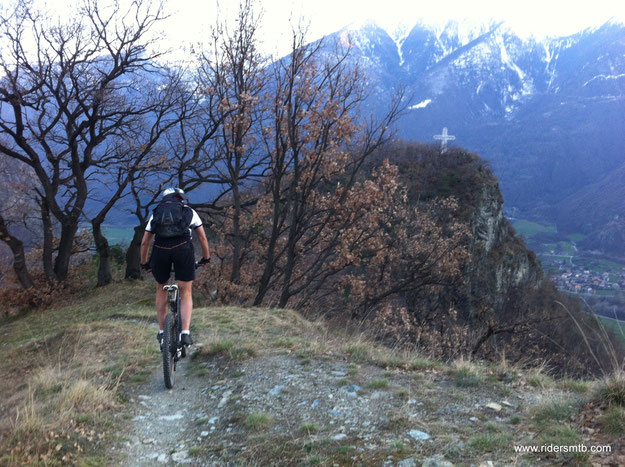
(597, 279)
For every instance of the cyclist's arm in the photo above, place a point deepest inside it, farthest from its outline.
(201, 236)
(145, 246)
(198, 228)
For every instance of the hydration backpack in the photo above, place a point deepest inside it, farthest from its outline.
(168, 219)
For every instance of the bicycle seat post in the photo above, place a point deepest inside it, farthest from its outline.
(172, 292)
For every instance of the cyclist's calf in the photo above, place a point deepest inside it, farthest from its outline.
(186, 303)
(161, 305)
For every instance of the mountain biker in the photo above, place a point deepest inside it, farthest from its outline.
(172, 223)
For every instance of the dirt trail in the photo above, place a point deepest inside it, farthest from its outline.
(276, 406)
(162, 428)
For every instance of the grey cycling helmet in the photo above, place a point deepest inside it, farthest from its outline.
(173, 191)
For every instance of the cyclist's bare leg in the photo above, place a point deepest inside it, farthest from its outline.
(186, 303)
(161, 305)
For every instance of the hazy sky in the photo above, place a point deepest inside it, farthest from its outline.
(191, 18)
(526, 17)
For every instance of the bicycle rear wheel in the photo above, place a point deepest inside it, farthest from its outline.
(169, 351)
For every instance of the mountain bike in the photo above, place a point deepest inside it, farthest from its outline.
(171, 347)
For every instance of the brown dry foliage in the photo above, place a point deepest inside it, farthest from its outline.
(15, 299)
(43, 294)
(374, 244)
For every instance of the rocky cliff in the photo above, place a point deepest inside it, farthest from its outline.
(502, 305)
(501, 264)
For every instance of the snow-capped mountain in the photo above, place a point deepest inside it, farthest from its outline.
(549, 114)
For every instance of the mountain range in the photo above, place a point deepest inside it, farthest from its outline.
(549, 114)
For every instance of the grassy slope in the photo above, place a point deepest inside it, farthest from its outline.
(75, 366)
(69, 365)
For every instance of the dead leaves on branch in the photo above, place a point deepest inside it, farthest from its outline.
(364, 245)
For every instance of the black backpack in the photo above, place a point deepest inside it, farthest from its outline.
(168, 219)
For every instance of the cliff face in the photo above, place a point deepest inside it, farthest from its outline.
(500, 262)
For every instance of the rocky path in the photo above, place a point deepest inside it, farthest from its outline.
(272, 408)
(163, 428)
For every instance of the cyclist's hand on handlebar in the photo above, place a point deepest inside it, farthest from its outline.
(146, 267)
(203, 261)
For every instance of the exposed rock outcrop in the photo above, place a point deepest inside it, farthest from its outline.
(500, 261)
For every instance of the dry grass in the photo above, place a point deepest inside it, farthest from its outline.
(611, 390)
(613, 421)
(465, 364)
(71, 364)
(274, 330)
(539, 377)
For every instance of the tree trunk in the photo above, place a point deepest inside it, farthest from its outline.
(235, 276)
(61, 264)
(133, 255)
(296, 201)
(288, 270)
(19, 258)
(263, 286)
(104, 253)
(48, 244)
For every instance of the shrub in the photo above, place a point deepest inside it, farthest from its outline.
(257, 420)
(612, 390)
(613, 421)
(466, 378)
(378, 383)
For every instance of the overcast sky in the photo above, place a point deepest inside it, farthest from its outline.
(191, 18)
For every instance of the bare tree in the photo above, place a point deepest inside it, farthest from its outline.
(136, 153)
(59, 101)
(236, 73)
(17, 214)
(142, 206)
(317, 144)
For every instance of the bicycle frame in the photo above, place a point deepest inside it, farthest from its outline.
(173, 297)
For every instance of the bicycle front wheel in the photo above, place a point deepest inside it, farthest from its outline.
(169, 351)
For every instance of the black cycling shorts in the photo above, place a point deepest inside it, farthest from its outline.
(181, 256)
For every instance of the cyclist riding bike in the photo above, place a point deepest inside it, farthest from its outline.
(171, 226)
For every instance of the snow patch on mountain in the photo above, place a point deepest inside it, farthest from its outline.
(463, 32)
(421, 105)
(605, 77)
(399, 32)
(527, 86)
(477, 56)
(399, 41)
